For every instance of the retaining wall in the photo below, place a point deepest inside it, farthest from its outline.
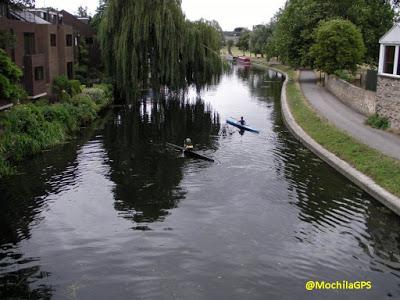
(359, 99)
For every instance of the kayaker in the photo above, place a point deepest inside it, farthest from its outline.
(187, 144)
(242, 121)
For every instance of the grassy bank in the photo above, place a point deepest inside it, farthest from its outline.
(30, 128)
(384, 170)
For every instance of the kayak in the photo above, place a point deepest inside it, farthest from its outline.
(237, 124)
(191, 152)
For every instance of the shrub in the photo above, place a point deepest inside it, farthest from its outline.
(100, 95)
(343, 75)
(10, 74)
(338, 45)
(29, 128)
(86, 108)
(378, 121)
(60, 84)
(75, 87)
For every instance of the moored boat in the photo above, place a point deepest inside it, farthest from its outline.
(244, 60)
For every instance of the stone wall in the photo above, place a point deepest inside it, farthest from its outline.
(359, 99)
(388, 99)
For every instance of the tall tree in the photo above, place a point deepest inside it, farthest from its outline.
(259, 37)
(101, 8)
(294, 32)
(244, 41)
(151, 43)
(82, 11)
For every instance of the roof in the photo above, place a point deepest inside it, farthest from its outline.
(28, 17)
(83, 28)
(392, 36)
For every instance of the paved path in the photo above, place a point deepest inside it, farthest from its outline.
(346, 118)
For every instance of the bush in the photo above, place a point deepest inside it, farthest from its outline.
(60, 84)
(30, 128)
(338, 45)
(343, 75)
(100, 95)
(64, 88)
(10, 74)
(75, 87)
(379, 122)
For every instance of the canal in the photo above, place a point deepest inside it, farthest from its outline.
(114, 214)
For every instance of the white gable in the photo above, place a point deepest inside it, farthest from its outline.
(392, 36)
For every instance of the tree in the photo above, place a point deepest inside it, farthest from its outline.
(230, 45)
(293, 36)
(82, 11)
(152, 43)
(9, 79)
(244, 40)
(101, 8)
(338, 46)
(7, 39)
(259, 38)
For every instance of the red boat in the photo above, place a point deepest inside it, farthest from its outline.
(244, 60)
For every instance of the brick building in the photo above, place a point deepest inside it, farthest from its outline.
(84, 32)
(44, 47)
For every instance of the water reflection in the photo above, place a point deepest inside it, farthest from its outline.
(131, 219)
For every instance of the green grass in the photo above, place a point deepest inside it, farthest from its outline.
(378, 122)
(28, 129)
(384, 170)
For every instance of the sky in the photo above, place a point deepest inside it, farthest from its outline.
(229, 14)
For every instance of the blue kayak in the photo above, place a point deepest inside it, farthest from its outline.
(237, 124)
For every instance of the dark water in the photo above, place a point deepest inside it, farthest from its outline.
(115, 215)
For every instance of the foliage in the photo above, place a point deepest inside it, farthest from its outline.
(95, 21)
(9, 79)
(244, 41)
(378, 121)
(151, 43)
(295, 26)
(30, 128)
(82, 11)
(338, 46)
(343, 74)
(62, 86)
(259, 37)
(7, 39)
(230, 44)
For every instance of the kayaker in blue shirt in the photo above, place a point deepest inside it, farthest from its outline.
(242, 121)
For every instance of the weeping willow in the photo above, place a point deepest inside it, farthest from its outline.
(151, 43)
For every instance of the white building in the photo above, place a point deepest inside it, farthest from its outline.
(388, 91)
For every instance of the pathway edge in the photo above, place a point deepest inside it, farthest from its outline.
(360, 179)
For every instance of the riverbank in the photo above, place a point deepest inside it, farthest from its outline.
(28, 129)
(383, 170)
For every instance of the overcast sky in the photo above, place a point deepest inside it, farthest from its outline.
(229, 14)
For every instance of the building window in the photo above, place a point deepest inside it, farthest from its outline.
(388, 66)
(39, 73)
(70, 70)
(69, 40)
(53, 40)
(89, 40)
(29, 43)
(398, 62)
